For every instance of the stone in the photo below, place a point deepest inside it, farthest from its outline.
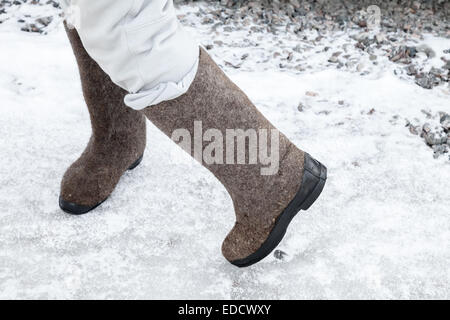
(424, 82)
(279, 254)
(311, 94)
(411, 70)
(427, 50)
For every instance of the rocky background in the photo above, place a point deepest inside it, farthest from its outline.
(358, 36)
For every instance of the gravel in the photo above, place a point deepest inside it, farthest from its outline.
(435, 132)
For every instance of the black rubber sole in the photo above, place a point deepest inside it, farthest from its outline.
(313, 182)
(77, 209)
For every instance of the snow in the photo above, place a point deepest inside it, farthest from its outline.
(381, 228)
(437, 45)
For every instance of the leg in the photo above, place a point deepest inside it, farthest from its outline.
(141, 46)
(264, 204)
(117, 142)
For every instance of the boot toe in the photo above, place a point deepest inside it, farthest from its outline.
(76, 209)
(83, 190)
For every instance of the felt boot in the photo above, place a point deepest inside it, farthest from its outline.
(264, 203)
(117, 142)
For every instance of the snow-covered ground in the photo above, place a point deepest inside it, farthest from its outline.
(380, 230)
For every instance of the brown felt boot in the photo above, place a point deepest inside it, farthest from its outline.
(264, 204)
(117, 143)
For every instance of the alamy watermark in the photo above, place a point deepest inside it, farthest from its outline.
(374, 17)
(231, 147)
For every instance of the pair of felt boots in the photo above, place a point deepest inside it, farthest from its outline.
(264, 203)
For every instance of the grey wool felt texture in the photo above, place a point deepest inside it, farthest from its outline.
(258, 199)
(118, 135)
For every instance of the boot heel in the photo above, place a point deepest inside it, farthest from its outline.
(315, 175)
(313, 181)
(136, 163)
(312, 197)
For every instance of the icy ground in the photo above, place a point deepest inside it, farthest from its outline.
(380, 230)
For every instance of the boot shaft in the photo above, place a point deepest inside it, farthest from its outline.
(108, 113)
(217, 103)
